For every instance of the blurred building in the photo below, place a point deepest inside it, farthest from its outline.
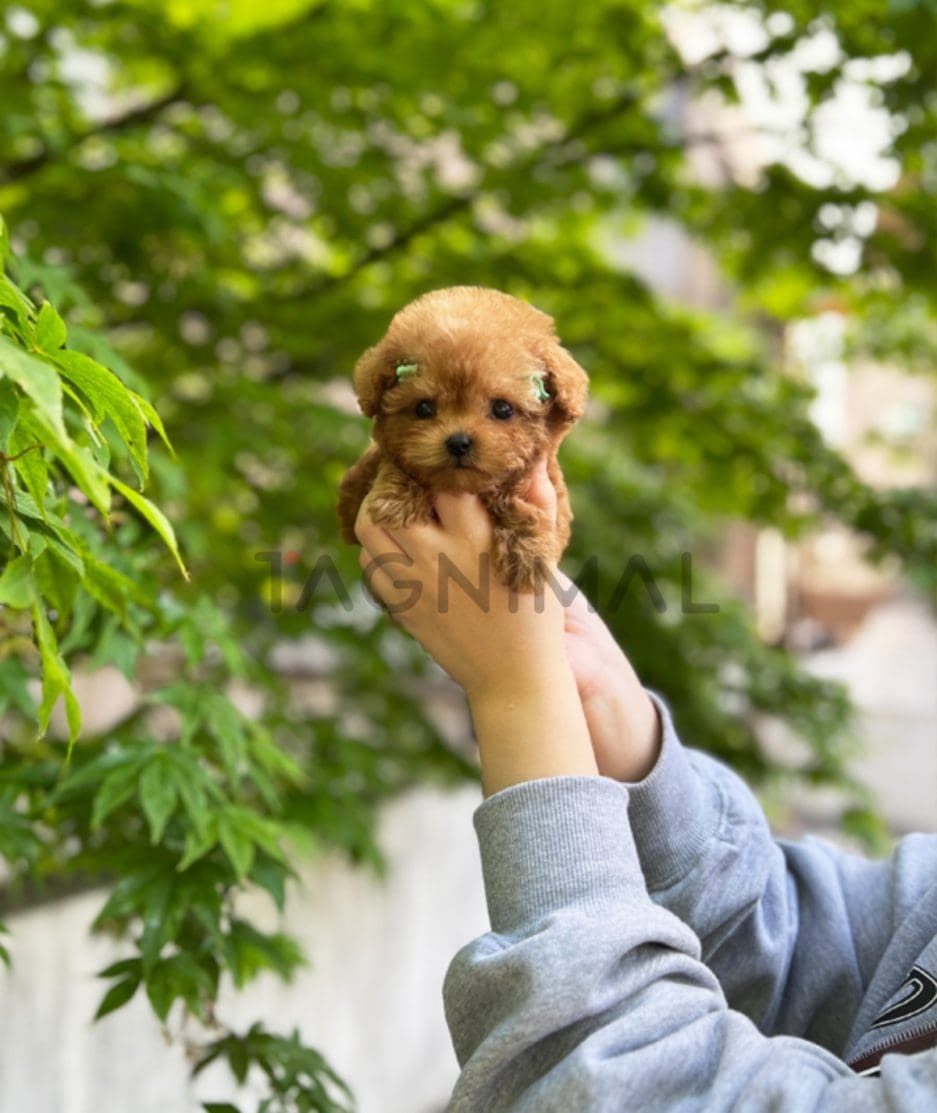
(853, 620)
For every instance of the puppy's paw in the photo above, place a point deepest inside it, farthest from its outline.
(396, 512)
(520, 560)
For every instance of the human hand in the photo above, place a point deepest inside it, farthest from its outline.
(623, 722)
(437, 582)
(505, 649)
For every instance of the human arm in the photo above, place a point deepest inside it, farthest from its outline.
(623, 722)
(586, 994)
(793, 931)
(505, 650)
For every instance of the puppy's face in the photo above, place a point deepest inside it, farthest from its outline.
(468, 388)
(453, 426)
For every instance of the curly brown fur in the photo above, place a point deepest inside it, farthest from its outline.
(472, 347)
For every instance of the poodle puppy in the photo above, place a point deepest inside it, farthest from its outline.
(467, 389)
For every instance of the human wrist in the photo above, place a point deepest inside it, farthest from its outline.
(531, 680)
(536, 732)
(624, 729)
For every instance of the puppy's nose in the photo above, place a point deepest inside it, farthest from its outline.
(458, 444)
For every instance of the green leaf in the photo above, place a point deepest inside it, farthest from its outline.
(160, 919)
(193, 786)
(57, 580)
(108, 398)
(96, 345)
(17, 587)
(90, 477)
(123, 966)
(263, 831)
(37, 380)
(54, 280)
(79, 784)
(14, 690)
(116, 788)
(110, 587)
(179, 975)
(271, 875)
(117, 647)
(14, 299)
(9, 408)
(81, 627)
(153, 418)
(56, 679)
(235, 843)
(154, 516)
(265, 752)
(250, 951)
(125, 897)
(50, 329)
(158, 795)
(219, 1107)
(26, 444)
(50, 533)
(4, 242)
(26, 507)
(212, 1053)
(160, 989)
(239, 1060)
(224, 721)
(198, 842)
(117, 996)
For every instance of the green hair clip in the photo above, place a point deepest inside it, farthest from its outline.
(405, 370)
(540, 391)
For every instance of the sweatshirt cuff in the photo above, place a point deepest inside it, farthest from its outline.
(674, 811)
(553, 843)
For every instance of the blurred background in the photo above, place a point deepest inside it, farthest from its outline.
(729, 211)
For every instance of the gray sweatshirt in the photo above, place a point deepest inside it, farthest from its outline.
(652, 947)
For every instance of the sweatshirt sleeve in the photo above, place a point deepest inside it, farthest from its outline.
(793, 931)
(587, 995)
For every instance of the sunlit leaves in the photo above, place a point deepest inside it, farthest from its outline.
(56, 678)
(37, 380)
(108, 397)
(17, 586)
(156, 518)
(41, 419)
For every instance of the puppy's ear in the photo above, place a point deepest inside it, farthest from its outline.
(567, 384)
(371, 378)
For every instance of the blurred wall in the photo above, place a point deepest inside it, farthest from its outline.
(371, 1002)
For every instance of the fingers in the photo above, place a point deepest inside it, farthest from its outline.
(387, 552)
(386, 578)
(541, 492)
(575, 599)
(370, 535)
(464, 516)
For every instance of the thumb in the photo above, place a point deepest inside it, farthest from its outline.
(465, 516)
(541, 492)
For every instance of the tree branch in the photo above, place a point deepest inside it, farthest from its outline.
(589, 122)
(140, 115)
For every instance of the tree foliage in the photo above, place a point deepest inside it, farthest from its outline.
(215, 207)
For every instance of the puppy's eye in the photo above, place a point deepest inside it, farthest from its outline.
(501, 410)
(426, 408)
